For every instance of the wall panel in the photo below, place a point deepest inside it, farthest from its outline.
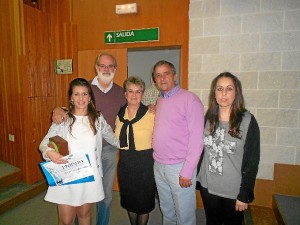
(38, 88)
(94, 17)
(30, 89)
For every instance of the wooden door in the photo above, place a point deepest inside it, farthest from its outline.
(37, 86)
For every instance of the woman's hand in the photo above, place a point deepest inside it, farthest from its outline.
(56, 157)
(240, 206)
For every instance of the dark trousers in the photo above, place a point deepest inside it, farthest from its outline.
(219, 210)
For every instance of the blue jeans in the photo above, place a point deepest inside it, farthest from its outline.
(109, 163)
(178, 205)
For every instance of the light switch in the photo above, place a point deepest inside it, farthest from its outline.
(11, 137)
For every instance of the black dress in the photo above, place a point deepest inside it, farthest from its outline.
(135, 169)
(136, 180)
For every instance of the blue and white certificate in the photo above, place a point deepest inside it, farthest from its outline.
(77, 170)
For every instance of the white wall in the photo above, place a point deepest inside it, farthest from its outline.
(259, 41)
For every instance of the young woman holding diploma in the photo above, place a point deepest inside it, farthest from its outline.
(83, 130)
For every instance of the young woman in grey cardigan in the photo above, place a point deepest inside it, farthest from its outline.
(231, 153)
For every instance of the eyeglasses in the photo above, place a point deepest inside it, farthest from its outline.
(104, 67)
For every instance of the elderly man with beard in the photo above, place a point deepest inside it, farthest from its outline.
(109, 98)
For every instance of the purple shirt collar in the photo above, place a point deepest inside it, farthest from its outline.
(170, 93)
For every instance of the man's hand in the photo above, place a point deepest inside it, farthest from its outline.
(240, 206)
(59, 115)
(184, 182)
(151, 108)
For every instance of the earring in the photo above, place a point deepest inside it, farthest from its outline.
(72, 102)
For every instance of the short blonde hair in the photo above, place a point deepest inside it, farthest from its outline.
(134, 80)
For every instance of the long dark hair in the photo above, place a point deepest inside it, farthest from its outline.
(237, 109)
(92, 113)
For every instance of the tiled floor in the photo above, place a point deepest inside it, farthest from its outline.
(38, 212)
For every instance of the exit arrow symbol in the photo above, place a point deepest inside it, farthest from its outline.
(109, 37)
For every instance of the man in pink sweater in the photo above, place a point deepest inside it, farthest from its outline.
(177, 144)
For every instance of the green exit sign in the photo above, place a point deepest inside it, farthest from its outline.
(130, 36)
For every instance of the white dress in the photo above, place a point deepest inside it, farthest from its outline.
(82, 139)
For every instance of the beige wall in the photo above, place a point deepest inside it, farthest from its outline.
(259, 41)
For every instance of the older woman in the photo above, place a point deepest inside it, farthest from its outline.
(134, 127)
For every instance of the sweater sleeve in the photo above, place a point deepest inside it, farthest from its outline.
(195, 121)
(250, 162)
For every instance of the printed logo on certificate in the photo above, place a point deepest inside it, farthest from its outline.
(77, 170)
